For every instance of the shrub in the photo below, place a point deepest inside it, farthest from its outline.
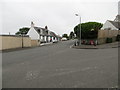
(118, 38)
(109, 40)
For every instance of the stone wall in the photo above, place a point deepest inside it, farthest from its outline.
(104, 34)
(107, 33)
(35, 43)
(12, 41)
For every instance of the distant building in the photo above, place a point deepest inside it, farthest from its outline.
(42, 35)
(117, 19)
(112, 25)
(110, 29)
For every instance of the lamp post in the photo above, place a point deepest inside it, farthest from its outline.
(80, 29)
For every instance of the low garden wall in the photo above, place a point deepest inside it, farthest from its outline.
(108, 33)
(12, 41)
(104, 34)
(35, 43)
(104, 40)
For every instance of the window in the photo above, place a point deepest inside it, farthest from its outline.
(38, 30)
(47, 32)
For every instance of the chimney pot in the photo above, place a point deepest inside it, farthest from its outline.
(32, 24)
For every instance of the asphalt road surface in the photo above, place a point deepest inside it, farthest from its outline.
(59, 66)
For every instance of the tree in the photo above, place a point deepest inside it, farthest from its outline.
(65, 35)
(89, 30)
(71, 36)
(22, 30)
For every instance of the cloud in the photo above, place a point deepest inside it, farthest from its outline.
(58, 16)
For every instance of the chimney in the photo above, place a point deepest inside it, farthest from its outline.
(46, 27)
(32, 24)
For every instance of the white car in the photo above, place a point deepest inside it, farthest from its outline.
(64, 39)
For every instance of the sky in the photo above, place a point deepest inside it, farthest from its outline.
(58, 15)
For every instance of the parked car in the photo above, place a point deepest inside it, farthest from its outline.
(64, 39)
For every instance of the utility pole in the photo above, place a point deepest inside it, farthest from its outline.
(22, 33)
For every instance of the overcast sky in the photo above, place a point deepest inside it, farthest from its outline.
(58, 15)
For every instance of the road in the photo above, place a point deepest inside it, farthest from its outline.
(59, 66)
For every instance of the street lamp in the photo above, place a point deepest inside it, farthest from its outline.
(80, 29)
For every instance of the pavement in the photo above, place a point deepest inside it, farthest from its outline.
(43, 44)
(59, 66)
(102, 46)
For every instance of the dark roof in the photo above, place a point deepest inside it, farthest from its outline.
(45, 31)
(118, 15)
(53, 34)
(117, 18)
(39, 28)
(116, 24)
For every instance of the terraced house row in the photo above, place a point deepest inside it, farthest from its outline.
(42, 35)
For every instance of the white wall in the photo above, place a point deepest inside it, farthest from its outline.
(41, 31)
(108, 25)
(33, 34)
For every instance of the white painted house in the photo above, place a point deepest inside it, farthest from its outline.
(43, 35)
(33, 34)
(112, 25)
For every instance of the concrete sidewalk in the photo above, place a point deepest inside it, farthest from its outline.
(43, 44)
(103, 46)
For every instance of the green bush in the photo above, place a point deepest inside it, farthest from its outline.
(118, 38)
(109, 40)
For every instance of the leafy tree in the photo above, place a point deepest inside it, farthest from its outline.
(71, 36)
(23, 30)
(89, 30)
(65, 35)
